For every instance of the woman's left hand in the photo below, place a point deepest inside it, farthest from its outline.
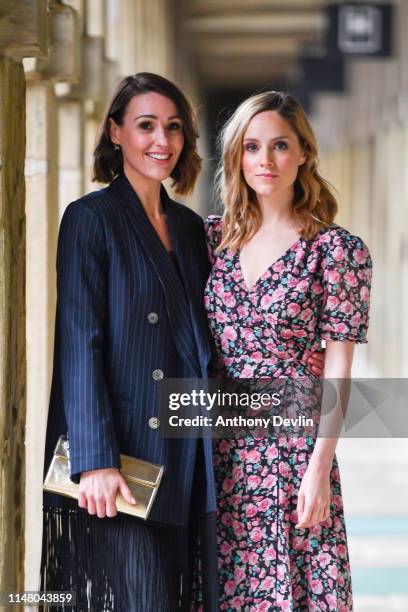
(313, 504)
(315, 363)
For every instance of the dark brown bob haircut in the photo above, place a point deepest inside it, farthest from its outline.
(108, 161)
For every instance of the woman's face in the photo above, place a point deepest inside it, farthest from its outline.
(151, 136)
(271, 154)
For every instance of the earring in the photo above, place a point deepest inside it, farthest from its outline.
(116, 147)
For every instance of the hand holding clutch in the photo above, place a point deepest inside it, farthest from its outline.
(141, 477)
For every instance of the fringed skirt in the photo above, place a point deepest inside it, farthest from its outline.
(116, 564)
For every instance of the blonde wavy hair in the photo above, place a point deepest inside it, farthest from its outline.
(314, 204)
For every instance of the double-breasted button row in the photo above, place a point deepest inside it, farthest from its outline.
(158, 374)
(153, 318)
(154, 423)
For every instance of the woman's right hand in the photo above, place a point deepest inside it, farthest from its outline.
(98, 489)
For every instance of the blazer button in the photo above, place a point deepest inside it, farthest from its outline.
(153, 318)
(154, 423)
(158, 374)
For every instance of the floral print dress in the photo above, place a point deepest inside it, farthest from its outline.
(318, 289)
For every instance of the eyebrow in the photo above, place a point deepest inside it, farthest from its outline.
(156, 117)
(276, 138)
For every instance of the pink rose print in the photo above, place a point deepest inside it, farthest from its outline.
(278, 266)
(332, 571)
(224, 446)
(265, 504)
(332, 302)
(253, 456)
(269, 482)
(317, 586)
(247, 372)
(324, 559)
(332, 601)
(239, 575)
(278, 295)
(225, 549)
(286, 334)
(360, 256)
(257, 534)
(271, 452)
(333, 277)
(346, 307)
(253, 481)
(293, 309)
(229, 333)
(238, 528)
(351, 279)
(266, 301)
(229, 300)
(229, 587)
(364, 293)
(242, 311)
(264, 606)
(305, 315)
(270, 554)
(251, 511)
(268, 583)
(340, 328)
(226, 519)
(253, 558)
(356, 320)
(238, 602)
(247, 334)
(237, 473)
(338, 254)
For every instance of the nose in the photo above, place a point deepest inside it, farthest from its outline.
(162, 137)
(267, 160)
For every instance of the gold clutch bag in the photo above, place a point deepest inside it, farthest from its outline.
(143, 479)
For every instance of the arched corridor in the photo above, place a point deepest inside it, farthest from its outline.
(59, 62)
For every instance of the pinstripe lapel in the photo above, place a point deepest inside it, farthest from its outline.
(175, 294)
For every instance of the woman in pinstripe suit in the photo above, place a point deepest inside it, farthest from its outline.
(131, 270)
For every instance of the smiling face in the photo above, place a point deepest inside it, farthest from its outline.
(151, 136)
(271, 155)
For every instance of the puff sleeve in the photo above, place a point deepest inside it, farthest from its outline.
(347, 272)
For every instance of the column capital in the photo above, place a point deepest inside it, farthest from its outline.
(24, 29)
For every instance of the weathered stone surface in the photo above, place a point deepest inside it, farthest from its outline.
(12, 324)
(23, 28)
(64, 62)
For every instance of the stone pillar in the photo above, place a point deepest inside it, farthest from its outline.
(23, 32)
(42, 224)
(12, 327)
(70, 153)
(44, 153)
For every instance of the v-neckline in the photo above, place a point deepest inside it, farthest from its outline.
(253, 287)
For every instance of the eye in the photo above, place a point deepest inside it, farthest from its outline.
(251, 147)
(145, 125)
(281, 145)
(174, 126)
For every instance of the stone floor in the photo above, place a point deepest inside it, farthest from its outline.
(375, 490)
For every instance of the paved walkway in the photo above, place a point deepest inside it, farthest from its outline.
(375, 490)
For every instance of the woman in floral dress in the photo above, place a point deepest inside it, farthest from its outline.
(284, 278)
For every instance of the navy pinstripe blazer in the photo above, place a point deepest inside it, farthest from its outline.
(112, 272)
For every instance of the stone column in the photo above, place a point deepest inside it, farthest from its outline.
(44, 149)
(23, 32)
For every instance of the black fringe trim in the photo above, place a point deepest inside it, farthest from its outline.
(114, 565)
